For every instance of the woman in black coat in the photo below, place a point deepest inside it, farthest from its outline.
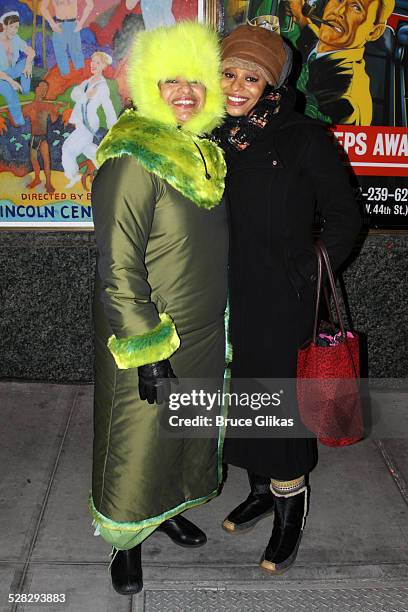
(281, 165)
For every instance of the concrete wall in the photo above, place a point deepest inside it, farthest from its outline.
(46, 298)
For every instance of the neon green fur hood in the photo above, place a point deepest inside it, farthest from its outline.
(187, 49)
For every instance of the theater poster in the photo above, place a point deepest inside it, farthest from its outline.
(353, 75)
(62, 85)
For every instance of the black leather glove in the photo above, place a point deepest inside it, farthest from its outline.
(154, 381)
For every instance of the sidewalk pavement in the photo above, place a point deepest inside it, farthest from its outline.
(354, 553)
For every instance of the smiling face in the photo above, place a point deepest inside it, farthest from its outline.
(242, 89)
(354, 24)
(185, 98)
(97, 65)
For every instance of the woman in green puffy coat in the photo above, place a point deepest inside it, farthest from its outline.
(160, 294)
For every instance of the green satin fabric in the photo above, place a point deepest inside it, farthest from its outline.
(157, 252)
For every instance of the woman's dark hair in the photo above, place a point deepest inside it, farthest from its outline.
(9, 20)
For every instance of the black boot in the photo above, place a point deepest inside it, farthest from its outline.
(183, 532)
(126, 571)
(290, 516)
(258, 505)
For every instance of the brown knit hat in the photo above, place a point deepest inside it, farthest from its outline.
(257, 48)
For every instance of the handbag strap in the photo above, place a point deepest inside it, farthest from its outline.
(329, 310)
(323, 261)
(319, 290)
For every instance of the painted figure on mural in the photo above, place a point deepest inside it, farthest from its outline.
(154, 13)
(51, 119)
(105, 33)
(89, 96)
(333, 78)
(39, 111)
(66, 26)
(331, 37)
(15, 73)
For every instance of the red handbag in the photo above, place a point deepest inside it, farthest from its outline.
(328, 371)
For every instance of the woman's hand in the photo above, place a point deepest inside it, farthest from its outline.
(154, 381)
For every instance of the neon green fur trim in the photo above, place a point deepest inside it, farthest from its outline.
(169, 153)
(123, 540)
(115, 532)
(155, 345)
(125, 535)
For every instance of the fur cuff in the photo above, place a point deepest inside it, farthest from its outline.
(155, 345)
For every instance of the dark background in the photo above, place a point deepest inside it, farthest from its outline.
(46, 284)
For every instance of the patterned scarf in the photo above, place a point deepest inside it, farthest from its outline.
(237, 133)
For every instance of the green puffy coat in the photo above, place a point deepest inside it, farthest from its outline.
(161, 288)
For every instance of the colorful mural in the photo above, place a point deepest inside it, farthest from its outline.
(62, 85)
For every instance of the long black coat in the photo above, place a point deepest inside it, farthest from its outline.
(272, 189)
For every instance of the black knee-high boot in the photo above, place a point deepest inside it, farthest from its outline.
(289, 522)
(258, 505)
(126, 571)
